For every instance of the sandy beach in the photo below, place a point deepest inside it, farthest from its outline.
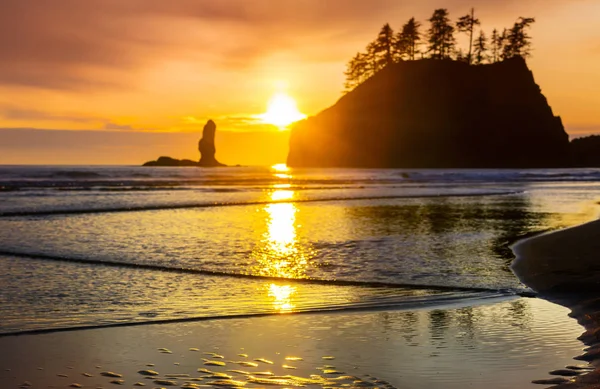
(505, 344)
(563, 267)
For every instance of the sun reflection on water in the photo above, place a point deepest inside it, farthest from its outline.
(280, 167)
(280, 252)
(281, 171)
(282, 195)
(282, 297)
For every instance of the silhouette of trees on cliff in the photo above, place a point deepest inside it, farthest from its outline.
(467, 24)
(439, 43)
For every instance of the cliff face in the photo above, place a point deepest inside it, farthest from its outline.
(436, 114)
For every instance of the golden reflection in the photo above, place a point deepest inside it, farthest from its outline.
(281, 171)
(280, 167)
(282, 297)
(282, 195)
(280, 253)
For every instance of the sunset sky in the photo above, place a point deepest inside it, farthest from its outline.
(124, 81)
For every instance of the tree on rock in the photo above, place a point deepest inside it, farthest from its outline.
(518, 42)
(384, 46)
(357, 71)
(497, 42)
(467, 24)
(408, 39)
(440, 35)
(480, 48)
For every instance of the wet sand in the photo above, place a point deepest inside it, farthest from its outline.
(561, 262)
(505, 344)
(563, 267)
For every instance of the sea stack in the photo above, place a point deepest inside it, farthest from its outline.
(436, 114)
(206, 146)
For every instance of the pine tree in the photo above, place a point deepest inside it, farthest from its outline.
(408, 39)
(357, 71)
(467, 24)
(480, 48)
(440, 35)
(496, 49)
(383, 47)
(518, 42)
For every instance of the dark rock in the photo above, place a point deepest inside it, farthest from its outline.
(436, 114)
(206, 146)
(551, 381)
(168, 161)
(565, 373)
(585, 152)
(207, 149)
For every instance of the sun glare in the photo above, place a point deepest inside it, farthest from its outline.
(282, 111)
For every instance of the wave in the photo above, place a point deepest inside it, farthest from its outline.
(314, 281)
(52, 177)
(159, 207)
(376, 304)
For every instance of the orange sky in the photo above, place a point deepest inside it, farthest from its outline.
(136, 79)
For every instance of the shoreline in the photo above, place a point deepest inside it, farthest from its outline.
(562, 266)
(372, 348)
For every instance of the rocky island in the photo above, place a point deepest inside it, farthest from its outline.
(436, 114)
(207, 149)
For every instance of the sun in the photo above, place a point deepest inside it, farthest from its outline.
(282, 111)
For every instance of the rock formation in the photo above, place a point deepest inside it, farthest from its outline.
(585, 152)
(436, 114)
(207, 149)
(168, 161)
(206, 146)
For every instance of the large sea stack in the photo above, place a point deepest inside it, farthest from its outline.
(436, 114)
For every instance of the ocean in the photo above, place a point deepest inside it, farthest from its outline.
(400, 273)
(88, 246)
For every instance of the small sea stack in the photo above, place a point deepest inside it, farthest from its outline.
(206, 146)
(207, 149)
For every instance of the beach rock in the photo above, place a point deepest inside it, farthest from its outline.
(206, 146)
(165, 382)
(168, 161)
(436, 114)
(111, 374)
(148, 372)
(552, 381)
(565, 373)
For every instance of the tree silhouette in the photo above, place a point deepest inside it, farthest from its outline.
(357, 71)
(383, 47)
(440, 35)
(518, 42)
(480, 48)
(467, 24)
(441, 44)
(408, 39)
(496, 47)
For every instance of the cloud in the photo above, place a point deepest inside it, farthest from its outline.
(114, 126)
(18, 113)
(234, 123)
(99, 44)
